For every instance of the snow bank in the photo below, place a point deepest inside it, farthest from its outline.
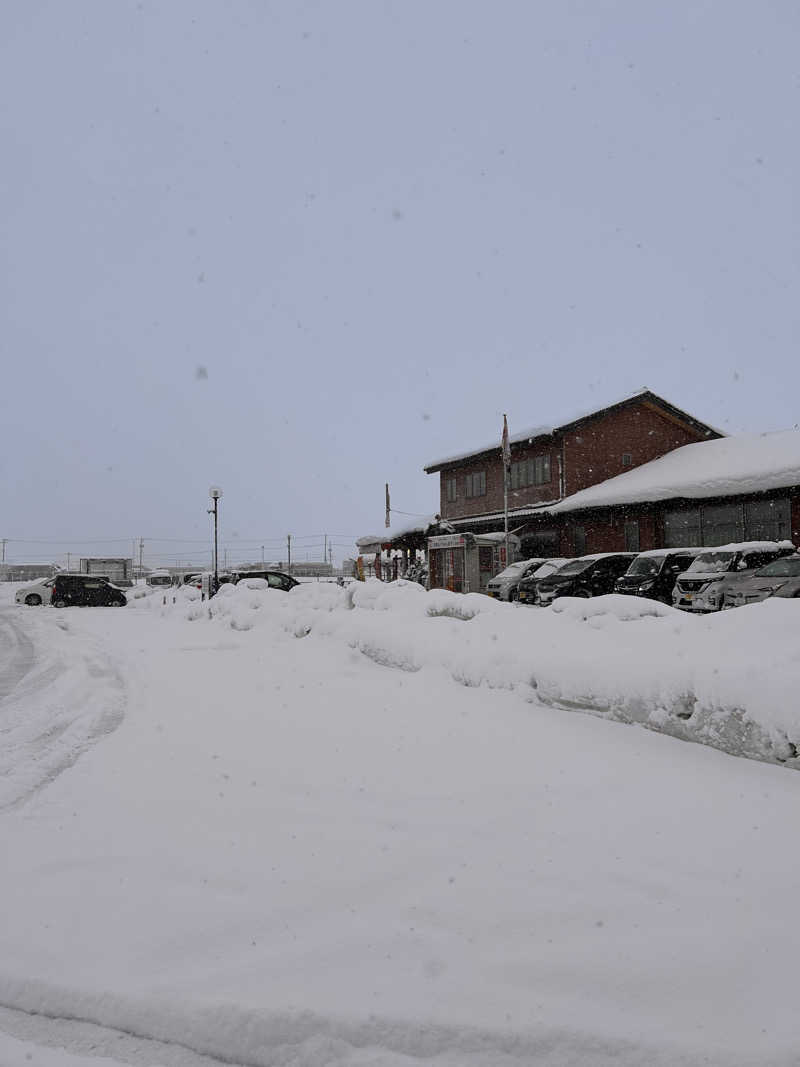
(726, 680)
(59, 700)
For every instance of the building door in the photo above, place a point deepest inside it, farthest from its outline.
(632, 536)
(486, 566)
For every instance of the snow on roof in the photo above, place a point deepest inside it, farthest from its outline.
(750, 546)
(543, 431)
(688, 551)
(748, 463)
(417, 525)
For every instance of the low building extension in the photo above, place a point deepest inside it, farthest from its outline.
(743, 488)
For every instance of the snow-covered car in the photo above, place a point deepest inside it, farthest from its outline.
(527, 593)
(161, 577)
(505, 584)
(781, 578)
(35, 594)
(717, 572)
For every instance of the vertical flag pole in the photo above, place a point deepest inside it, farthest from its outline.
(506, 473)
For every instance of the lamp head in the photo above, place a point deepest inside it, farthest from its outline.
(215, 492)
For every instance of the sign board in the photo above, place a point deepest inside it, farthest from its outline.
(447, 541)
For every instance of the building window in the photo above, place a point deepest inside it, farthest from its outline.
(632, 536)
(579, 538)
(682, 529)
(475, 484)
(723, 524)
(451, 490)
(767, 520)
(534, 471)
(627, 459)
(541, 470)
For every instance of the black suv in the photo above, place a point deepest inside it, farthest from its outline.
(587, 576)
(85, 590)
(653, 574)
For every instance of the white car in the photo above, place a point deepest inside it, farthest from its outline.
(504, 585)
(36, 594)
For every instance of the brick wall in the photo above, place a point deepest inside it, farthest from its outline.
(593, 451)
(465, 506)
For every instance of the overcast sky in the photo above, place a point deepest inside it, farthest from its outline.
(301, 249)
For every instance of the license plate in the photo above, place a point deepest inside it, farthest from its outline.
(523, 596)
(687, 598)
(491, 593)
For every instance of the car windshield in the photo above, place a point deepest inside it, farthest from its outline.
(575, 567)
(710, 562)
(513, 570)
(781, 568)
(646, 565)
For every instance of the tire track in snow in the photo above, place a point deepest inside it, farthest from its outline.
(58, 697)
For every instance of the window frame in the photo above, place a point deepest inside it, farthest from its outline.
(477, 479)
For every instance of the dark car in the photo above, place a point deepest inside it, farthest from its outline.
(274, 579)
(85, 590)
(527, 588)
(653, 574)
(587, 576)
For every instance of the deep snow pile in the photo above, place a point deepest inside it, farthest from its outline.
(61, 697)
(728, 680)
(288, 855)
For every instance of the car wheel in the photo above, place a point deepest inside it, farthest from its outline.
(513, 595)
(118, 603)
(33, 600)
(60, 603)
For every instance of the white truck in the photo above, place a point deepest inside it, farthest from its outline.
(118, 571)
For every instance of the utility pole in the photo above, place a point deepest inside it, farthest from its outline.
(4, 549)
(68, 555)
(141, 553)
(289, 552)
(262, 555)
(325, 550)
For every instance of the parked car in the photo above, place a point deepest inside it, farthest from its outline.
(780, 578)
(156, 578)
(86, 590)
(35, 594)
(504, 585)
(653, 574)
(588, 576)
(715, 573)
(527, 589)
(274, 579)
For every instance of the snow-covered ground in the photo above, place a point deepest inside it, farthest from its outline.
(361, 827)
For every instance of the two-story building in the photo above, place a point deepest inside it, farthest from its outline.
(551, 463)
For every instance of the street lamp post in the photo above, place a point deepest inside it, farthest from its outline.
(215, 493)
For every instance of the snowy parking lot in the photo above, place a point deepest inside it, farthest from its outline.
(366, 827)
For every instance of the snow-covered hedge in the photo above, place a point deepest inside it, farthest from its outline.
(727, 680)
